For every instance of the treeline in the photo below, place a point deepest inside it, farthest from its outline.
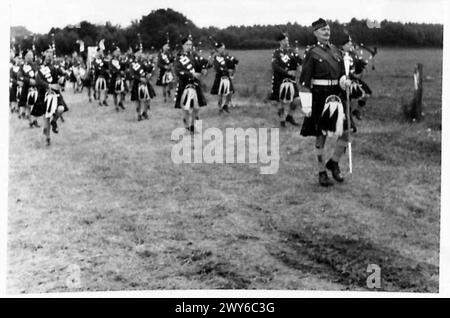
(160, 25)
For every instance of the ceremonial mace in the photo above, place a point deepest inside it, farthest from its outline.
(347, 62)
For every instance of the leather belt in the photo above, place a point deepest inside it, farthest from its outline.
(324, 82)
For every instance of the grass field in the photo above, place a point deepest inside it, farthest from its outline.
(105, 203)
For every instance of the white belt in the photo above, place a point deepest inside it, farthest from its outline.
(324, 82)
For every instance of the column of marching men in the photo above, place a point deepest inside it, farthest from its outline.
(37, 84)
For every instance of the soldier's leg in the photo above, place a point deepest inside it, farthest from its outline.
(339, 150)
(282, 114)
(138, 110)
(165, 93)
(324, 180)
(292, 107)
(122, 100)
(46, 130)
(116, 103)
(105, 97)
(195, 117)
(146, 108)
(21, 112)
(186, 119)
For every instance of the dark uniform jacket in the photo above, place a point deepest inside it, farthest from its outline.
(26, 72)
(165, 63)
(141, 70)
(186, 64)
(283, 60)
(224, 65)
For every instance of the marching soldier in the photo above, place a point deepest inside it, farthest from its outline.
(165, 74)
(322, 73)
(225, 66)
(100, 67)
(189, 96)
(359, 90)
(117, 85)
(50, 102)
(29, 94)
(285, 64)
(14, 68)
(142, 91)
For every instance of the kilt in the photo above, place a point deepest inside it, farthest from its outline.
(23, 99)
(276, 84)
(159, 81)
(40, 107)
(112, 86)
(72, 77)
(180, 88)
(216, 84)
(135, 92)
(360, 89)
(312, 126)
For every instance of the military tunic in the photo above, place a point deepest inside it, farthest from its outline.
(116, 73)
(283, 61)
(25, 74)
(165, 62)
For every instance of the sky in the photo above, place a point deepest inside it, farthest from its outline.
(40, 16)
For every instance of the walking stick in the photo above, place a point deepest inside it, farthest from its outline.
(347, 62)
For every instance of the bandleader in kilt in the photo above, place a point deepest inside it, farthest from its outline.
(189, 94)
(323, 79)
(285, 64)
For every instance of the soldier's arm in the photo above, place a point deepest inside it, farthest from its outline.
(41, 83)
(307, 73)
(181, 71)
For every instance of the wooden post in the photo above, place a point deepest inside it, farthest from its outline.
(416, 104)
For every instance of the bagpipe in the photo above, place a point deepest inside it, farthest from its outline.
(362, 51)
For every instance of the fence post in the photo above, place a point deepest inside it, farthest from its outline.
(416, 105)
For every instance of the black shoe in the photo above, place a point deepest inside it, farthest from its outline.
(282, 123)
(139, 117)
(357, 114)
(145, 115)
(225, 108)
(291, 120)
(121, 105)
(47, 140)
(105, 103)
(35, 123)
(54, 126)
(333, 166)
(192, 129)
(324, 180)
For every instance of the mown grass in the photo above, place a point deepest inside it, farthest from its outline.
(107, 198)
